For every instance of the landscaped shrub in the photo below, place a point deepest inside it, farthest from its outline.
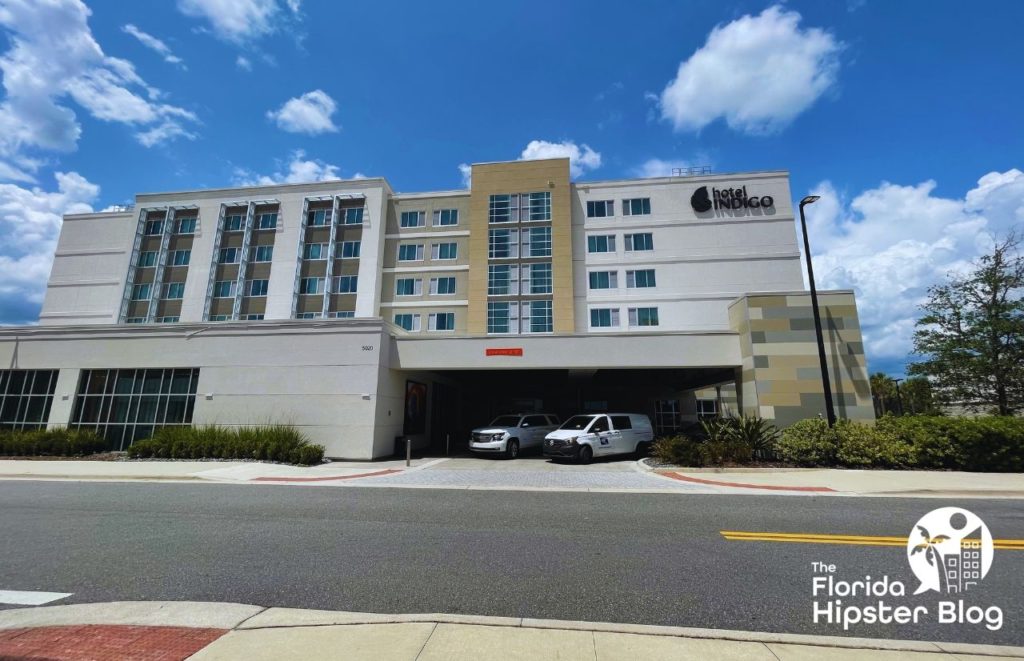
(757, 433)
(721, 452)
(52, 442)
(808, 443)
(272, 443)
(987, 443)
(864, 445)
(679, 450)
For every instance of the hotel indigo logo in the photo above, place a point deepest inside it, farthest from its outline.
(733, 199)
(949, 550)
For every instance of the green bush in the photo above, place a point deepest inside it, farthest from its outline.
(680, 450)
(272, 443)
(51, 443)
(721, 452)
(808, 443)
(863, 445)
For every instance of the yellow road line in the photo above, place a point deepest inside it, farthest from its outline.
(856, 540)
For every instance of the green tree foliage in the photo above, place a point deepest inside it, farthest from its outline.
(971, 337)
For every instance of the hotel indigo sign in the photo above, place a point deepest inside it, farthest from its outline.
(728, 198)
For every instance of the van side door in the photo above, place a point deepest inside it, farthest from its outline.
(623, 435)
(601, 429)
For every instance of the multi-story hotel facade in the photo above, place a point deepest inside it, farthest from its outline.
(362, 315)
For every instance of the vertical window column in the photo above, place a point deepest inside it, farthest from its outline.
(332, 239)
(221, 220)
(298, 258)
(243, 261)
(129, 282)
(161, 264)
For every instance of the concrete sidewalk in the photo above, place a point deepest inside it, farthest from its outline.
(240, 631)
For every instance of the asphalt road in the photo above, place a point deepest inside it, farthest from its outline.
(652, 559)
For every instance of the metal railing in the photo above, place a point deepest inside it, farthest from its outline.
(695, 171)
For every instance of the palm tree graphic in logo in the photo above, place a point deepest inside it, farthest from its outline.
(931, 553)
(949, 550)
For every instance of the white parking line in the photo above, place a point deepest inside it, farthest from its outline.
(22, 598)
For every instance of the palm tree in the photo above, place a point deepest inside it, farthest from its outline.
(933, 556)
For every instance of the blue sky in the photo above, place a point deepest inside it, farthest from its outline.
(903, 116)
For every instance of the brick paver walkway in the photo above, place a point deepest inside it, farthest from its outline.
(530, 479)
(105, 642)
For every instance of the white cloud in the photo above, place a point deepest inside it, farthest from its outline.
(298, 170)
(892, 242)
(581, 157)
(52, 56)
(30, 221)
(758, 72)
(309, 114)
(239, 21)
(243, 63)
(466, 170)
(658, 167)
(154, 44)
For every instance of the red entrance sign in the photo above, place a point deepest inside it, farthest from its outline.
(515, 351)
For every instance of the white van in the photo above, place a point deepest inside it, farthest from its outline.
(584, 437)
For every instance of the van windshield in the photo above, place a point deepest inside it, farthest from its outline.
(577, 422)
(506, 421)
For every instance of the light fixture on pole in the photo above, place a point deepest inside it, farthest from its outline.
(899, 397)
(830, 411)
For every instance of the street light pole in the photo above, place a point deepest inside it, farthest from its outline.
(830, 411)
(899, 397)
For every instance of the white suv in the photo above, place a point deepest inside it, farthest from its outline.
(508, 434)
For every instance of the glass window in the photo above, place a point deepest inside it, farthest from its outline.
(667, 416)
(540, 206)
(264, 254)
(602, 243)
(412, 219)
(346, 284)
(642, 241)
(350, 249)
(187, 225)
(540, 316)
(410, 252)
(135, 320)
(707, 408)
(252, 317)
(218, 317)
(167, 320)
(600, 209)
(498, 317)
(314, 251)
(441, 321)
(408, 287)
(500, 209)
(174, 290)
(540, 241)
(640, 206)
(604, 280)
(224, 289)
(640, 279)
(342, 314)
(499, 278)
(26, 397)
(154, 227)
(147, 258)
(540, 278)
(446, 217)
(445, 251)
(311, 286)
(266, 221)
(141, 292)
(256, 287)
(643, 316)
(233, 222)
(229, 255)
(319, 217)
(604, 318)
(410, 322)
(307, 315)
(443, 286)
(181, 257)
(354, 216)
(499, 245)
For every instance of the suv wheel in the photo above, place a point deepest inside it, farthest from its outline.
(586, 454)
(512, 448)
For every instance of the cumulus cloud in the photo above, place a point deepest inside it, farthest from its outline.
(54, 57)
(757, 72)
(239, 20)
(154, 44)
(30, 221)
(659, 167)
(298, 170)
(466, 171)
(892, 242)
(243, 63)
(309, 114)
(581, 157)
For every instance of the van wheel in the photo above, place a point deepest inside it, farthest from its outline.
(512, 449)
(642, 450)
(586, 455)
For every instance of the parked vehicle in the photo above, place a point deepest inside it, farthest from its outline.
(583, 437)
(509, 434)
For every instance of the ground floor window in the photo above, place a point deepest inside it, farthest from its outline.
(667, 416)
(125, 405)
(25, 398)
(707, 408)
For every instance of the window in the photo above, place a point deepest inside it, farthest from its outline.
(604, 318)
(410, 322)
(307, 315)
(126, 405)
(135, 320)
(342, 314)
(539, 241)
(346, 284)
(181, 257)
(500, 244)
(256, 287)
(707, 408)
(314, 251)
(233, 222)
(174, 291)
(500, 209)
(147, 258)
(540, 278)
(167, 320)
(540, 206)
(442, 286)
(141, 292)
(446, 217)
(603, 243)
(604, 280)
(252, 317)
(499, 279)
(319, 217)
(441, 321)
(600, 209)
(350, 249)
(640, 279)
(411, 252)
(264, 254)
(187, 225)
(498, 317)
(412, 219)
(643, 316)
(622, 422)
(408, 287)
(219, 317)
(224, 289)
(354, 216)
(229, 255)
(154, 227)
(26, 397)
(642, 241)
(444, 251)
(311, 286)
(640, 206)
(266, 221)
(540, 316)
(667, 416)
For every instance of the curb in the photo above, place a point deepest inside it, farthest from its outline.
(248, 617)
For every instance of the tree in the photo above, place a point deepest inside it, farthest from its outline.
(917, 396)
(883, 392)
(971, 337)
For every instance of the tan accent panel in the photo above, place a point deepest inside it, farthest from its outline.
(221, 306)
(769, 324)
(259, 271)
(779, 399)
(253, 305)
(346, 267)
(311, 303)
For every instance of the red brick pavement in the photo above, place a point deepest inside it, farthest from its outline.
(105, 642)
